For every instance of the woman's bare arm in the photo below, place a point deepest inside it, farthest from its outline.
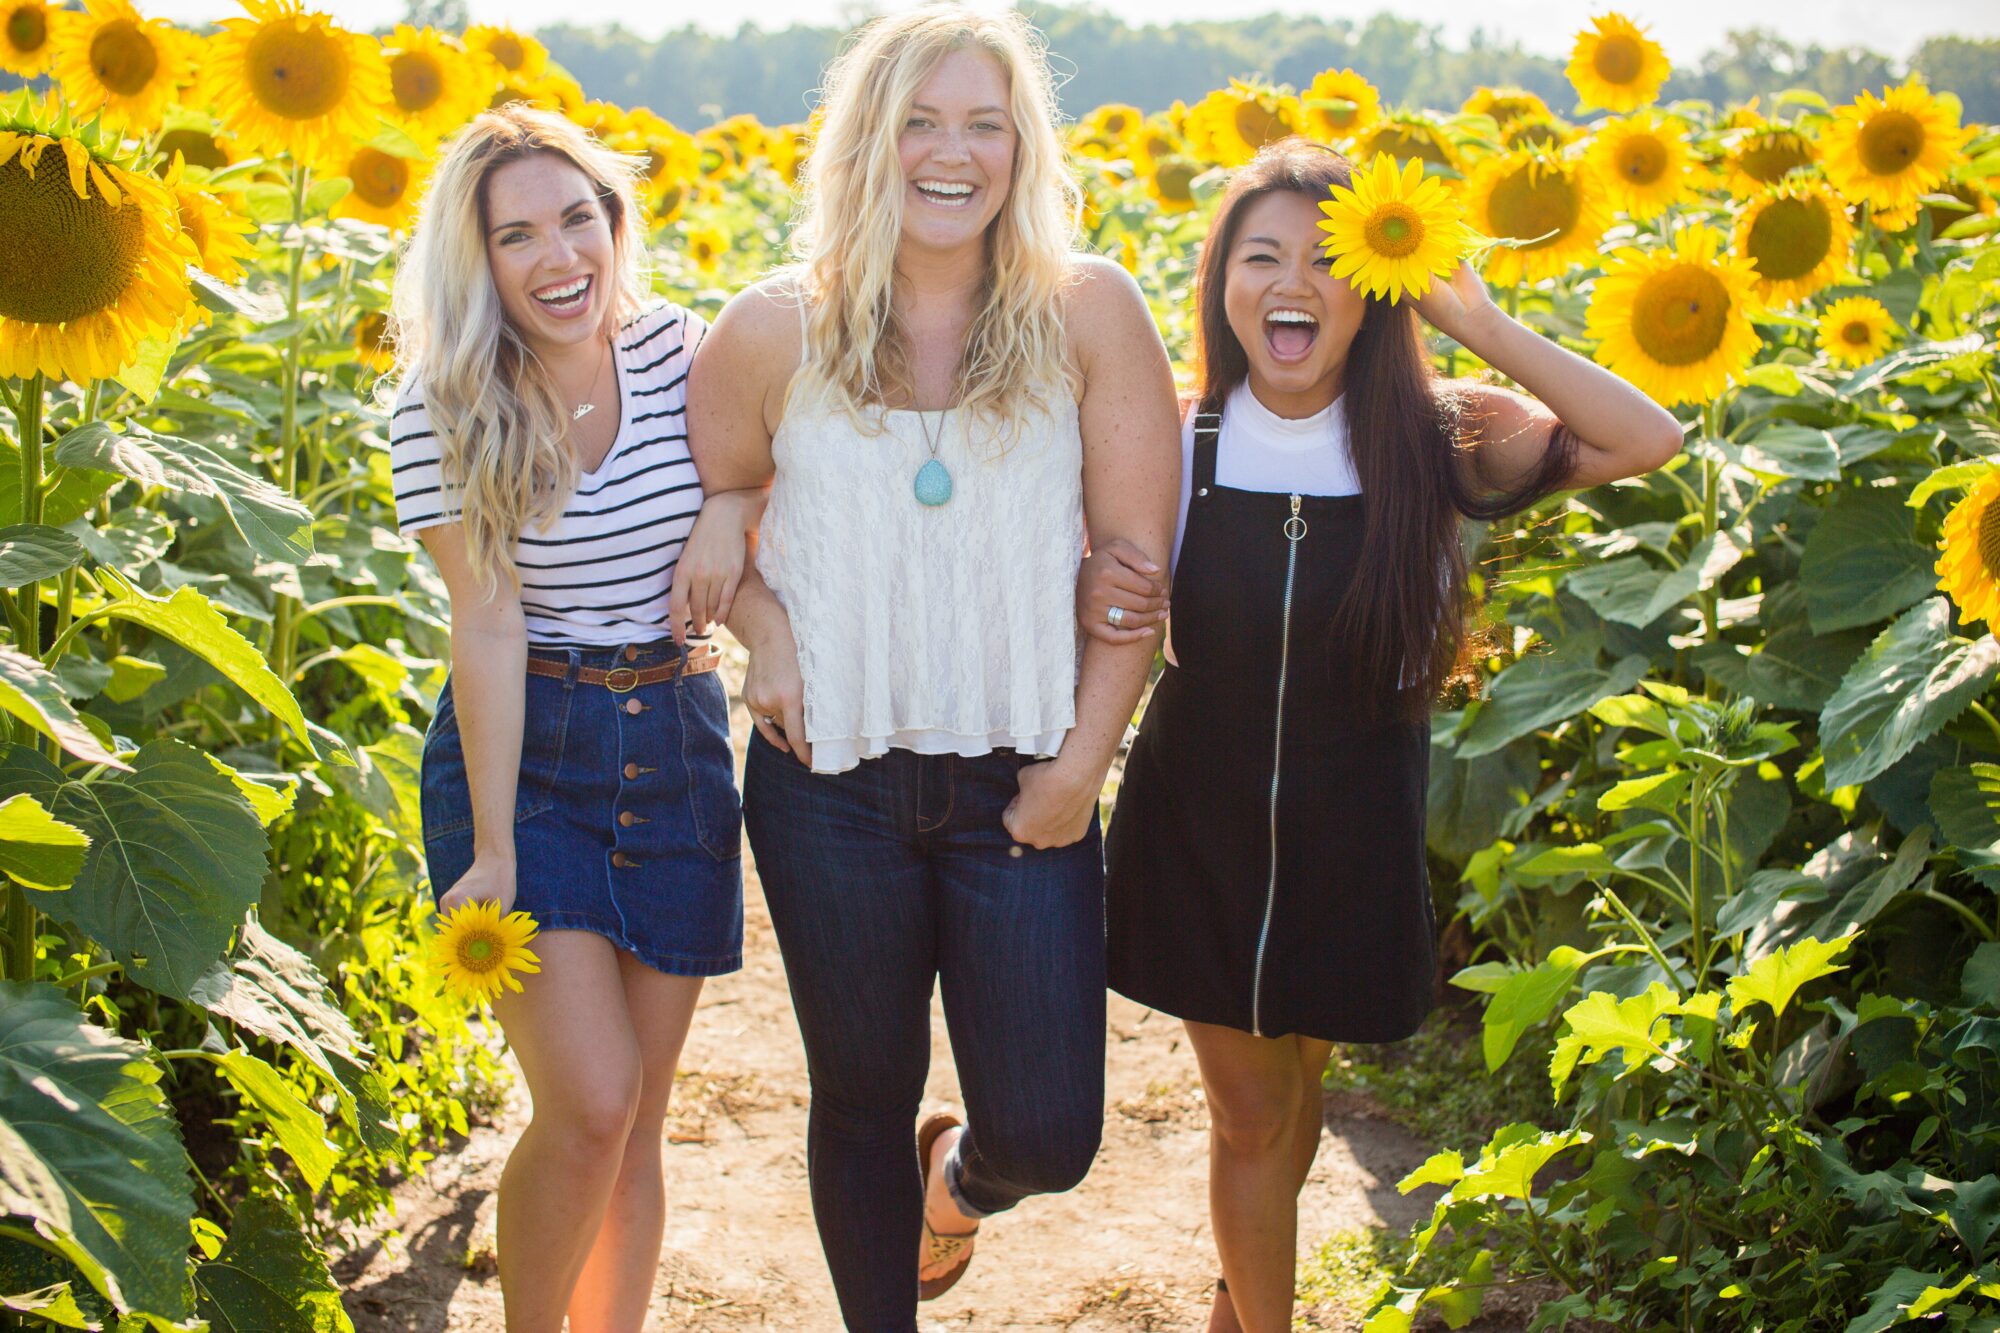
(489, 673)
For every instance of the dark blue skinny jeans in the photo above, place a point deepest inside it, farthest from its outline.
(881, 881)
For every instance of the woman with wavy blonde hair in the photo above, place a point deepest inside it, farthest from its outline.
(939, 395)
(578, 763)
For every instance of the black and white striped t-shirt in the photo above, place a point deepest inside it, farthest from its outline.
(600, 573)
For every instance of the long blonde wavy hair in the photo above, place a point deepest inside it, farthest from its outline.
(857, 351)
(501, 423)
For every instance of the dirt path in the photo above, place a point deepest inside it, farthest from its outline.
(1128, 1250)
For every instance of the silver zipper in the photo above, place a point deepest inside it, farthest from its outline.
(1295, 530)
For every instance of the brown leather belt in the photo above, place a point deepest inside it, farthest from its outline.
(623, 680)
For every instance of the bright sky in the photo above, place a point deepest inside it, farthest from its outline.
(1685, 27)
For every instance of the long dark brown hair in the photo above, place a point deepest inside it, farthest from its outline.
(1402, 618)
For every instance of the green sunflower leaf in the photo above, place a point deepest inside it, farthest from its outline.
(1863, 562)
(1915, 677)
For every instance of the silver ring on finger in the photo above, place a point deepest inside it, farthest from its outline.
(1115, 617)
(770, 721)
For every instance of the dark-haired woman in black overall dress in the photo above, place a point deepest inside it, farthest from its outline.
(1265, 860)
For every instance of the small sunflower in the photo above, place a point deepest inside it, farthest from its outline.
(1798, 238)
(1393, 230)
(288, 80)
(1408, 134)
(1889, 151)
(434, 85)
(1554, 206)
(476, 951)
(1107, 128)
(1615, 65)
(1969, 569)
(705, 246)
(373, 347)
(787, 148)
(385, 187)
(1856, 330)
(1171, 183)
(1675, 322)
(1339, 104)
(27, 36)
(97, 260)
(517, 55)
(1230, 124)
(1765, 157)
(1155, 140)
(670, 160)
(1645, 163)
(217, 230)
(110, 60)
(1506, 105)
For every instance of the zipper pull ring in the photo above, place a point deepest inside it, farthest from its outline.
(1295, 527)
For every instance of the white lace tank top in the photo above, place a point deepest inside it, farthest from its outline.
(943, 630)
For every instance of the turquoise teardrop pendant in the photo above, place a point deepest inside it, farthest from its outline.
(933, 483)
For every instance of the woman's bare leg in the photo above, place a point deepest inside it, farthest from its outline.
(617, 1283)
(571, 1031)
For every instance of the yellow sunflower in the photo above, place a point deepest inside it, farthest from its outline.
(1798, 239)
(1764, 157)
(217, 230)
(1645, 163)
(1230, 124)
(705, 246)
(27, 36)
(385, 187)
(1394, 230)
(1506, 105)
(1553, 205)
(97, 259)
(288, 80)
(109, 60)
(1171, 183)
(669, 157)
(1969, 568)
(1889, 151)
(1155, 140)
(373, 347)
(787, 147)
(1408, 134)
(517, 55)
(1615, 65)
(1856, 330)
(1104, 132)
(434, 85)
(476, 951)
(1538, 132)
(1340, 103)
(1676, 322)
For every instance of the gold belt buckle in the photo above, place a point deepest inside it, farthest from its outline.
(621, 680)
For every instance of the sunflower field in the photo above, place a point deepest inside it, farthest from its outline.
(1718, 808)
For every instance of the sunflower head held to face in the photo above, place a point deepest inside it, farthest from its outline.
(105, 258)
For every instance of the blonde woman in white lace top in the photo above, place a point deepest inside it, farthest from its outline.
(940, 395)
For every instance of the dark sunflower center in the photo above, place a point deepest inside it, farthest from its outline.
(1790, 239)
(1506, 110)
(1680, 315)
(197, 147)
(296, 73)
(508, 51)
(1535, 202)
(1642, 159)
(61, 257)
(1394, 230)
(1619, 59)
(1533, 134)
(1176, 182)
(1158, 146)
(1890, 141)
(479, 953)
(656, 162)
(123, 57)
(1259, 124)
(1406, 142)
(1989, 540)
(417, 80)
(1340, 112)
(1115, 123)
(671, 199)
(379, 179)
(1768, 161)
(371, 331)
(27, 29)
(1856, 333)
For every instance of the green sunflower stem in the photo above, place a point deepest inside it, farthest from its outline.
(284, 627)
(21, 914)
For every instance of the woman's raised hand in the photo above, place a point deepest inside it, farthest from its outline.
(1456, 304)
(711, 563)
(1117, 574)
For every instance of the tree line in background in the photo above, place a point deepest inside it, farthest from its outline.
(691, 76)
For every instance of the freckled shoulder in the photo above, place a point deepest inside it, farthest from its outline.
(1102, 308)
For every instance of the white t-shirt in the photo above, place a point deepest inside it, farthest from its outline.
(600, 573)
(1261, 451)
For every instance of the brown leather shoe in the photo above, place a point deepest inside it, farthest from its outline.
(937, 1248)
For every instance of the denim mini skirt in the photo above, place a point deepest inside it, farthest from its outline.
(627, 822)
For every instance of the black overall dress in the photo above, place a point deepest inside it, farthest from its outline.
(1265, 859)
